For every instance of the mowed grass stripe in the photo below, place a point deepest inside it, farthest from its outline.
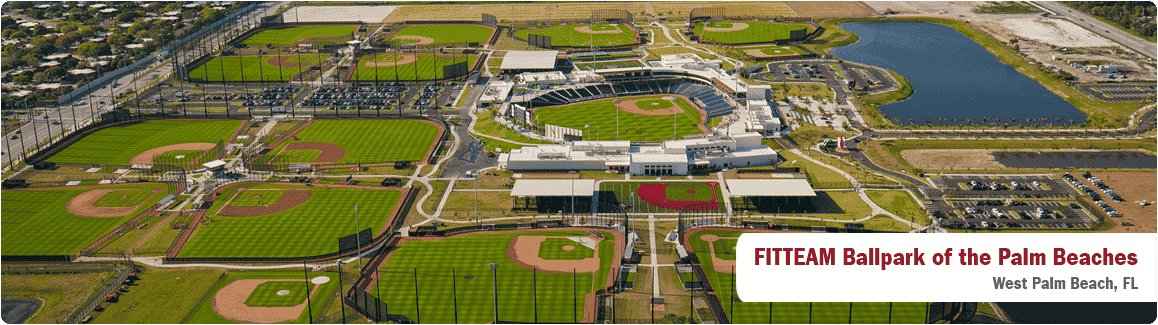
(115, 145)
(309, 229)
(429, 67)
(369, 141)
(469, 256)
(287, 36)
(254, 68)
(45, 227)
(798, 312)
(601, 115)
(757, 32)
(566, 35)
(448, 34)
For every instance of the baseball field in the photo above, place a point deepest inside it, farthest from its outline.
(253, 68)
(443, 34)
(359, 141)
(139, 143)
(266, 297)
(639, 118)
(720, 246)
(63, 221)
(663, 197)
(605, 35)
(302, 34)
(459, 264)
(405, 66)
(735, 32)
(772, 51)
(301, 221)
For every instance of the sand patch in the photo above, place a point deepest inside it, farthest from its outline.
(1054, 31)
(930, 159)
(524, 251)
(735, 27)
(146, 157)
(422, 40)
(82, 205)
(587, 30)
(229, 303)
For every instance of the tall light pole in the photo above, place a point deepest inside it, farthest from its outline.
(359, 238)
(573, 172)
(495, 287)
(476, 220)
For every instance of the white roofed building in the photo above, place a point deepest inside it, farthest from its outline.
(674, 157)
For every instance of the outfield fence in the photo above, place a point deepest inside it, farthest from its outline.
(627, 47)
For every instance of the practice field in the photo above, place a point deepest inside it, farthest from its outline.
(786, 312)
(601, 115)
(605, 35)
(303, 34)
(663, 197)
(443, 34)
(360, 141)
(253, 297)
(772, 51)
(255, 68)
(460, 264)
(305, 221)
(41, 222)
(405, 66)
(118, 145)
(735, 32)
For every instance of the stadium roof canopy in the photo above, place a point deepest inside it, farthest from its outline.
(553, 187)
(769, 187)
(519, 60)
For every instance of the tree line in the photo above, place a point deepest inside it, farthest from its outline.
(1133, 16)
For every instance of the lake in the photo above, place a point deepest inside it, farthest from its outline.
(953, 77)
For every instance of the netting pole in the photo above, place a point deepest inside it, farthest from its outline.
(454, 292)
(417, 310)
(810, 313)
(890, 312)
(306, 272)
(535, 291)
(378, 292)
(732, 298)
(769, 313)
(850, 312)
(343, 308)
(574, 298)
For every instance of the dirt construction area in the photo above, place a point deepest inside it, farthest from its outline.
(82, 205)
(933, 159)
(1133, 187)
(524, 250)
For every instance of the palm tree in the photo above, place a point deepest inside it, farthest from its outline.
(896, 121)
(954, 122)
(911, 122)
(969, 121)
(984, 119)
(1028, 120)
(940, 121)
(927, 122)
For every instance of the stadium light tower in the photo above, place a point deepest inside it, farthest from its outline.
(495, 288)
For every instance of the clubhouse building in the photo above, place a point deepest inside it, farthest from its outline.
(673, 157)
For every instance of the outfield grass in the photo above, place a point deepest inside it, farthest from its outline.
(115, 145)
(566, 35)
(265, 295)
(311, 228)
(797, 312)
(757, 32)
(447, 34)
(690, 192)
(162, 296)
(37, 223)
(468, 257)
(117, 198)
(900, 203)
(552, 249)
(287, 36)
(372, 141)
(254, 68)
(61, 293)
(302, 155)
(206, 315)
(265, 197)
(601, 115)
(428, 66)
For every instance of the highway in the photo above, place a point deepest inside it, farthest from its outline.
(99, 101)
(1147, 48)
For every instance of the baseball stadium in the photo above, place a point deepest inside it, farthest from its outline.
(465, 163)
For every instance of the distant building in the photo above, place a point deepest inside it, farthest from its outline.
(673, 157)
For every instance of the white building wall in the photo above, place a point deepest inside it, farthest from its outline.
(556, 165)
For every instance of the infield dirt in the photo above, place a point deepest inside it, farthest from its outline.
(229, 303)
(82, 205)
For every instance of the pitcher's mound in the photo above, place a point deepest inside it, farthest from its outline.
(568, 248)
(283, 292)
(320, 280)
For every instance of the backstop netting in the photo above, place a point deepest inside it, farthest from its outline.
(707, 13)
(612, 15)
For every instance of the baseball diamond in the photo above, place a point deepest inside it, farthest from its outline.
(605, 35)
(727, 32)
(119, 145)
(294, 35)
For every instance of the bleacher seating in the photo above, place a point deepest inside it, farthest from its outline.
(705, 96)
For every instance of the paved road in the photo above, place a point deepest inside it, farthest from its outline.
(42, 129)
(1128, 40)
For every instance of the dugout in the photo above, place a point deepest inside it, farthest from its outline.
(772, 195)
(553, 195)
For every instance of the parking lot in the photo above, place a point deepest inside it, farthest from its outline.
(1015, 214)
(1118, 92)
(386, 95)
(1003, 187)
